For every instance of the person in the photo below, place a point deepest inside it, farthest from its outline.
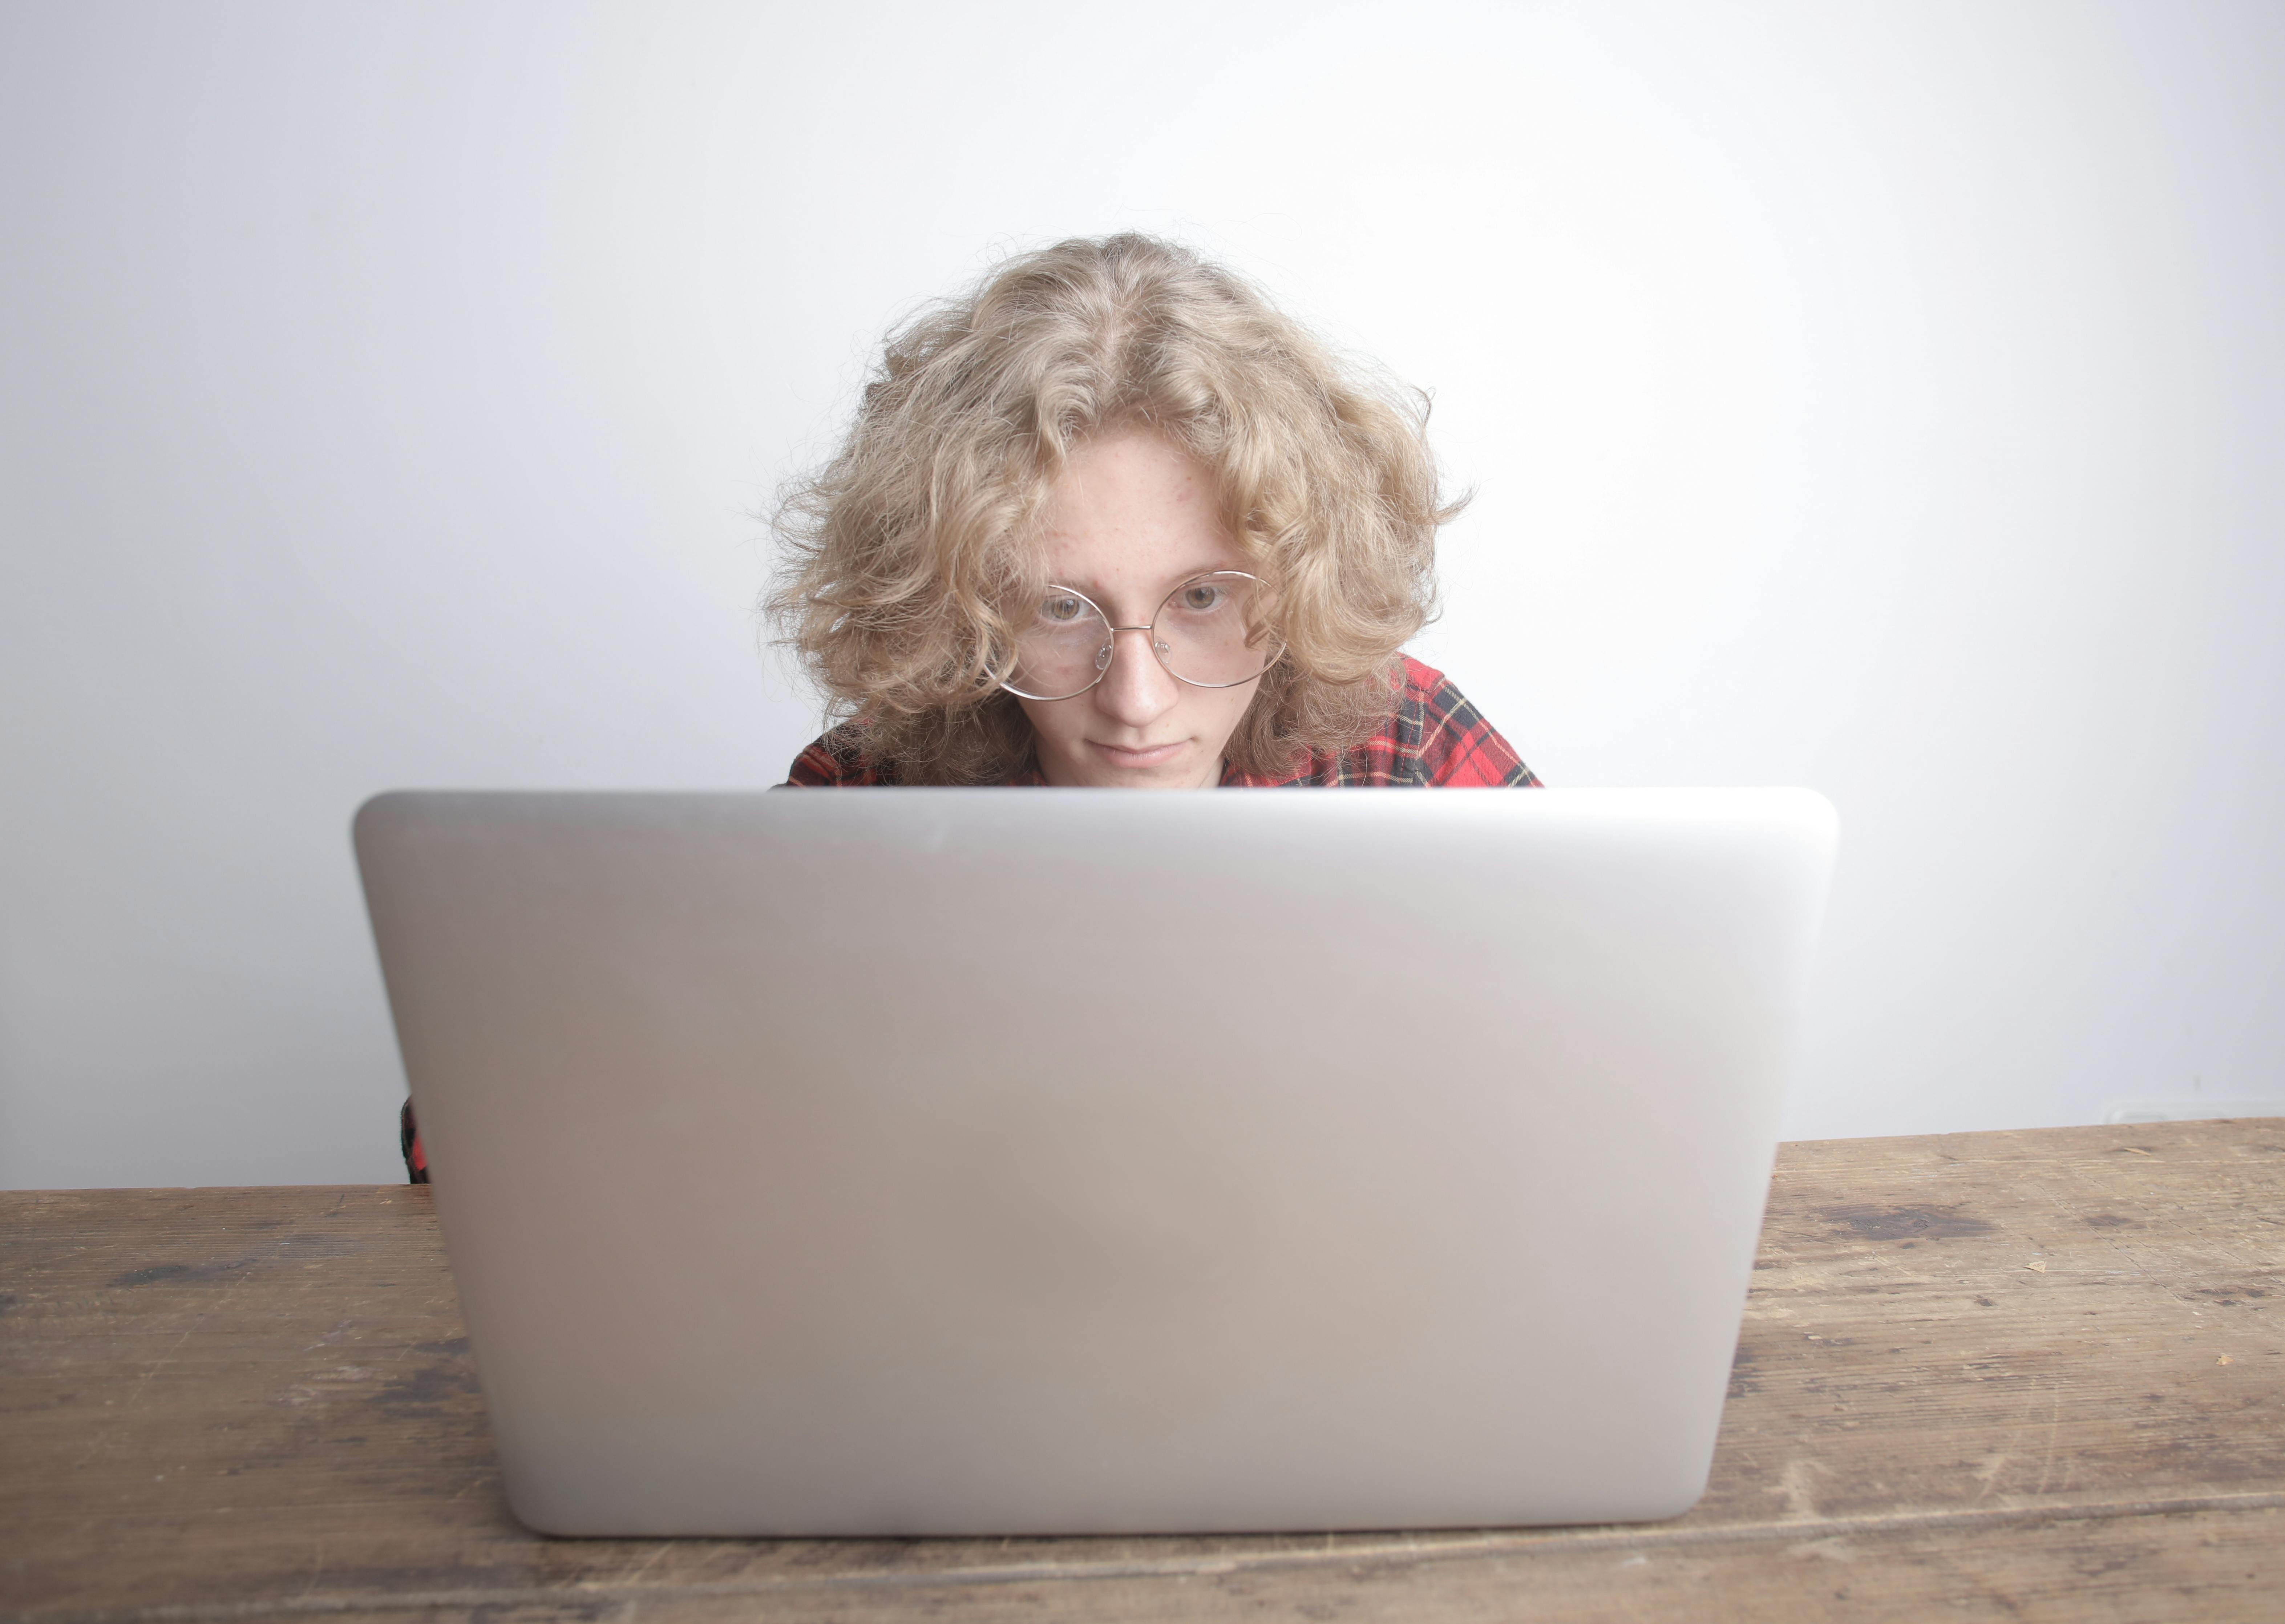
(1114, 519)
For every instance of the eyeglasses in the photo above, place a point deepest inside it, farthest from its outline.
(1205, 633)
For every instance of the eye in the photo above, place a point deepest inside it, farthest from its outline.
(1062, 608)
(1199, 596)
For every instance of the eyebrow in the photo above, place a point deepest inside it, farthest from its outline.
(1094, 591)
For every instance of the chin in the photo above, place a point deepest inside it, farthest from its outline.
(1135, 778)
(1150, 781)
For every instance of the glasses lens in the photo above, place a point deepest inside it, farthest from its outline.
(1064, 650)
(1209, 631)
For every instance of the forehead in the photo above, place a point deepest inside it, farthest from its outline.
(1132, 510)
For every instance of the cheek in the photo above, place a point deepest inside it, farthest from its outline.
(1054, 724)
(1220, 710)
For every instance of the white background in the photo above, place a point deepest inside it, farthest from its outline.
(1886, 399)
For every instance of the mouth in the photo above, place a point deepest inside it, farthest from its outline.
(1152, 756)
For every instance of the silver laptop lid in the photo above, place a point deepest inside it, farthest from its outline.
(1041, 1161)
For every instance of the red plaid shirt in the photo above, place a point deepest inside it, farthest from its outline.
(1434, 736)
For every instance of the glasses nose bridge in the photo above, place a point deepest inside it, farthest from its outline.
(1157, 646)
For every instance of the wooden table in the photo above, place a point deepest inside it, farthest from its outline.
(1986, 1376)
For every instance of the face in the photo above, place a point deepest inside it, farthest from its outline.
(1132, 519)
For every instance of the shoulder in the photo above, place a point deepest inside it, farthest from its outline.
(1451, 743)
(1434, 736)
(837, 760)
(834, 761)
(1444, 740)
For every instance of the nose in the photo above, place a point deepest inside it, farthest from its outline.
(1136, 691)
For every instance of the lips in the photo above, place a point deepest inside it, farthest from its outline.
(1149, 755)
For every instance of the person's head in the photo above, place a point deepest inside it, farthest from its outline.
(1114, 419)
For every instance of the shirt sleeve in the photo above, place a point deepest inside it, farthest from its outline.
(408, 1139)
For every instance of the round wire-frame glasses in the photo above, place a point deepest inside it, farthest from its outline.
(1205, 632)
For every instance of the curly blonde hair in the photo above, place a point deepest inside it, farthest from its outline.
(908, 558)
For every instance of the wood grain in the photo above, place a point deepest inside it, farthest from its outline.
(2035, 1374)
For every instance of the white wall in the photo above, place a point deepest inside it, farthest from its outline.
(1884, 398)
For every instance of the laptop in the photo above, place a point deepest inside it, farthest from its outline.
(1041, 1161)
